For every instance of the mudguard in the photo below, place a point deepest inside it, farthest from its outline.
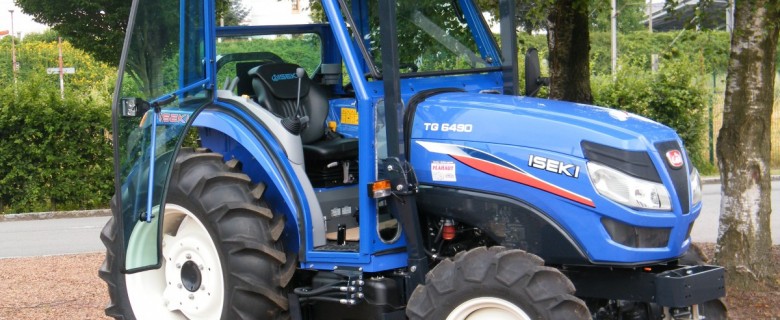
(267, 156)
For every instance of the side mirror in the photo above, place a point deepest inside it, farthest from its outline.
(533, 75)
(133, 107)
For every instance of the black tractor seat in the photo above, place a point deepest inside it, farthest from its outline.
(330, 158)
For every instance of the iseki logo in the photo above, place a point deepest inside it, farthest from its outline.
(675, 158)
(554, 166)
(176, 118)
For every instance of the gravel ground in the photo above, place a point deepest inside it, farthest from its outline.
(67, 287)
(56, 287)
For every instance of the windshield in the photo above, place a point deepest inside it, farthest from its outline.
(433, 36)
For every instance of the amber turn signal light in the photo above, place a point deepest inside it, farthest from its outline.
(380, 189)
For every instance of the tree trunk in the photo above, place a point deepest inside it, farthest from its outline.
(569, 42)
(744, 237)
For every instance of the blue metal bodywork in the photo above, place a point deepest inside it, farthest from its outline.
(514, 128)
(504, 130)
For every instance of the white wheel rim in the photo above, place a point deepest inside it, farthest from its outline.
(162, 293)
(488, 308)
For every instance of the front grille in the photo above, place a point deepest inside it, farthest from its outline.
(679, 176)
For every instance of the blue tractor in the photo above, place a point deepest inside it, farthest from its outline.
(383, 165)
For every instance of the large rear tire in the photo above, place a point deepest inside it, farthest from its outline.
(495, 283)
(222, 257)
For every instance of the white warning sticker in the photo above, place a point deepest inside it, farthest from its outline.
(443, 171)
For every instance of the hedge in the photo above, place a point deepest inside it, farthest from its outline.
(670, 96)
(55, 154)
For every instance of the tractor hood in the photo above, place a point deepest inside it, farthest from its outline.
(555, 126)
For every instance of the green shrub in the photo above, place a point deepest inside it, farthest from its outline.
(670, 96)
(54, 154)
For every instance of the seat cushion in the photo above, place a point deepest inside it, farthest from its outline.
(324, 151)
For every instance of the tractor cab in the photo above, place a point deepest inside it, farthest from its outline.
(316, 90)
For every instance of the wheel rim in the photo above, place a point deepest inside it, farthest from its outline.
(487, 308)
(189, 285)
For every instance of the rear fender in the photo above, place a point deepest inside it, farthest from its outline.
(233, 133)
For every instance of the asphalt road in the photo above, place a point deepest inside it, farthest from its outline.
(706, 227)
(50, 237)
(82, 235)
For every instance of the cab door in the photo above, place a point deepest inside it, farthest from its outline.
(165, 77)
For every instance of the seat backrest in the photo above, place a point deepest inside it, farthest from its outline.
(244, 85)
(276, 88)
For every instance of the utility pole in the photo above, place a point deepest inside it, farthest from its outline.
(650, 15)
(13, 49)
(730, 17)
(614, 38)
(62, 71)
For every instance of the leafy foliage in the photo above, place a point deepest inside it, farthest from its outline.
(304, 50)
(630, 15)
(55, 154)
(231, 13)
(38, 52)
(98, 26)
(670, 96)
(709, 48)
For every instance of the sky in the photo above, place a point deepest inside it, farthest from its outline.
(22, 22)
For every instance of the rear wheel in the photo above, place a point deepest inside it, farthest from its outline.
(222, 257)
(495, 283)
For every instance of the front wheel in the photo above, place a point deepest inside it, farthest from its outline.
(495, 283)
(222, 258)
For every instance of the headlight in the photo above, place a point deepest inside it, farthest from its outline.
(696, 186)
(627, 190)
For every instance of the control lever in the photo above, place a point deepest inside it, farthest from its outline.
(296, 123)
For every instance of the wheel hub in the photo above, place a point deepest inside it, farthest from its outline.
(190, 276)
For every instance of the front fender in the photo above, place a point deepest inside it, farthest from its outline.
(233, 133)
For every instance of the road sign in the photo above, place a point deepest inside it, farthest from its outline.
(57, 70)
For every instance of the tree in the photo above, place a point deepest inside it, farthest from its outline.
(98, 26)
(231, 13)
(744, 238)
(630, 15)
(531, 14)
(568, 39)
